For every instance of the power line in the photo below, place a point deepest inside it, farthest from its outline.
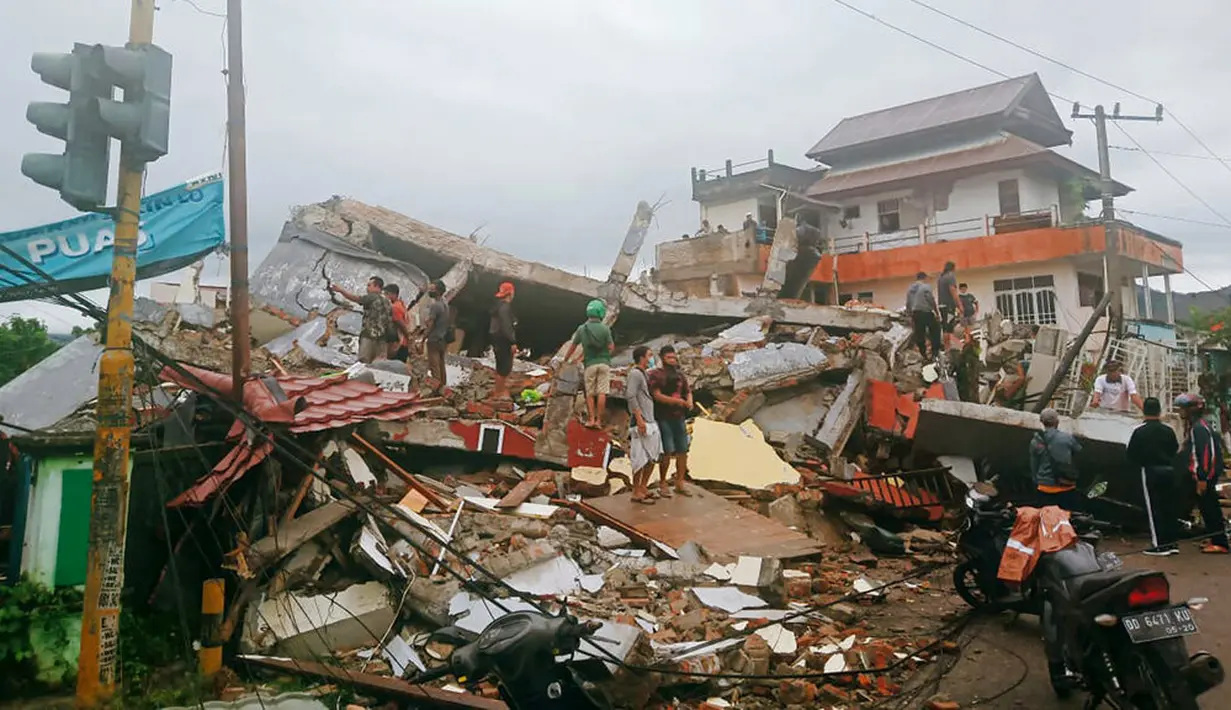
(1172, 175)
(932, 44)
(203, 11)
(1034, 52)
(1163, 152)
(1173, 218)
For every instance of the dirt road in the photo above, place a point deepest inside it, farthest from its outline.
(1001, 658)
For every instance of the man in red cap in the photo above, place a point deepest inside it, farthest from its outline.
(503, 335)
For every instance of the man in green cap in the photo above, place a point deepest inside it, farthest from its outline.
(597, 346)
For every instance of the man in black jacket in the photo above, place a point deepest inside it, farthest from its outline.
(1152, 448)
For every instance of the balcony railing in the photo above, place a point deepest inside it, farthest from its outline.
(947, 231)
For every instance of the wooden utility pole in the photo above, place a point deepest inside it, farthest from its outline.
(100, 621)
(237, 158)
(1113, 282)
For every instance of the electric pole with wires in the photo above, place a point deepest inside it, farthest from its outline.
(1112, 277)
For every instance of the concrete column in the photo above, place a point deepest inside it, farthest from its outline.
(1145, 288)
(1169, 299)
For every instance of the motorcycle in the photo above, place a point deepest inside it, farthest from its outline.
(1110, 630)
(520, 651)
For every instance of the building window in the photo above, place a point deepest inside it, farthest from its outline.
(1030, 300)
(862, 297)
(1089, 289)
(1010, 200)
(888, 219)
(850, 213)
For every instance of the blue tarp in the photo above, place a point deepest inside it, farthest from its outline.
(178, 226)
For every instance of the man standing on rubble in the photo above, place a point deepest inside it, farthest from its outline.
(921, 305)
(503, 338)
(597, 346)
(644, 443)
(377, 318)
(1153, 448)
(970, 305)
(1052, 454)
(950, 300)
(672, 403)
(1115, 391)
(398, 345)
(438, 329)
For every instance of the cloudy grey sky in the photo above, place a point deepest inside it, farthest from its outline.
(547, 121)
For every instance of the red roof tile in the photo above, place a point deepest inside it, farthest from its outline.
(331, 402)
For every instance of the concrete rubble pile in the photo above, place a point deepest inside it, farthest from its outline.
(809, 503)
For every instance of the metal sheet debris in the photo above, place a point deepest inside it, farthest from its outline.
(736, 454)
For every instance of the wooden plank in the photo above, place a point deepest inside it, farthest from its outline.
(421, 696)
(269, 550)
(403, 474)
(724, 529)
(520, 493)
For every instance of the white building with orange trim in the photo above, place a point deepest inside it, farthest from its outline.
(968, 177)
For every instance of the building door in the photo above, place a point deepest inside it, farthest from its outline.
(73, 540)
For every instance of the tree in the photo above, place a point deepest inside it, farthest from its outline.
(1215, 326)
(23, 344)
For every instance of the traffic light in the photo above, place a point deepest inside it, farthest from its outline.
(80, 173)
(142, 122)
(92, 117)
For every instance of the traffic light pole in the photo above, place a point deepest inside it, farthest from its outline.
(100, 623)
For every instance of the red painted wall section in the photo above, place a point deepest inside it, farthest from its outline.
(1033, 245)
(516, 443)
(586, 447)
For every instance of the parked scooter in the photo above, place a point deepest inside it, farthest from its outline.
(1110, 630)
(520, 651)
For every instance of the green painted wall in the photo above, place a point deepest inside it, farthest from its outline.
(58, 524)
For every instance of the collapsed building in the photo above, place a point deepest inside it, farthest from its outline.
(349, 510)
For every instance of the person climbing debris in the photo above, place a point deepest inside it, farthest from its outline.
(597, 347)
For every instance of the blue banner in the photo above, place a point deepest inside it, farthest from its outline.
(178, 226)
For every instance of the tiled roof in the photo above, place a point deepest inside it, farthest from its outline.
(338, 402)
(329, 402)
(981, 102)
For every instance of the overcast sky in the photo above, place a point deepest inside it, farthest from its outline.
(547, 121)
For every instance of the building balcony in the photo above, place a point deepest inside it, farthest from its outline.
(737, 180)
(1003, 241)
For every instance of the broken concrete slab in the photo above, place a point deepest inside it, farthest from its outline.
(1001, 353)
(798, 410)
(306, 627)
(562, 292)
(844, 414)
(776, 364)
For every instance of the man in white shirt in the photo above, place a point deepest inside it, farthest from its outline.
(1115, 391)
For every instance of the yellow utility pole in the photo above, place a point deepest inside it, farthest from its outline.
(100, 627)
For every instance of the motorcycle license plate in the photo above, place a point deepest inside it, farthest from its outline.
(1160, 624)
